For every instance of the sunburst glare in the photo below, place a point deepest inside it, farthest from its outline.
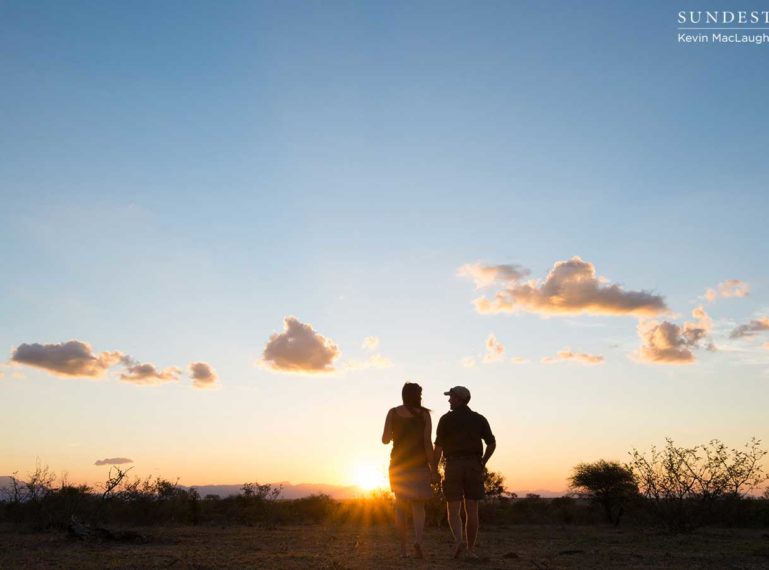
(369, 476)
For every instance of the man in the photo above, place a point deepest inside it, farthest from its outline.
(458, 437)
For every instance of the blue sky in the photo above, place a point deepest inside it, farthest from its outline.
(178, 178)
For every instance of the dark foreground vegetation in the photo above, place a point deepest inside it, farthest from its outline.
(675, 489)
(655, 497)
(38, 504)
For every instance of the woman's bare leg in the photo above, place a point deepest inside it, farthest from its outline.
(418, 514)
(401, 520)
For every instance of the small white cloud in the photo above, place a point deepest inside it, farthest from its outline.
(487, 275)
(567, 355)
(203, 375)
(728, 288)
(668, 343)
(495, 352)
(300, 349)
(373, 361)
(113, 461)
(370, 343)
(751, 329)
(146, 374)
(519, 360)
(468, 361)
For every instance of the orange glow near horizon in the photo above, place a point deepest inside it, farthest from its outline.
(369, 477)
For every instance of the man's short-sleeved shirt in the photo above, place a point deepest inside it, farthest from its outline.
(460, 432)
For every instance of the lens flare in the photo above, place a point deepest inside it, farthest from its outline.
(369, 477)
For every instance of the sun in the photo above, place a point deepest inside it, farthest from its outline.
(369, 477)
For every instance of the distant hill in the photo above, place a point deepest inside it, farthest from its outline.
(5, 484)
(289, 491)
(544, 493)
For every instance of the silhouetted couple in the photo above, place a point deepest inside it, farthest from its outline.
(414, 464)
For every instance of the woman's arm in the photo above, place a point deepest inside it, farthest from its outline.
(387, 434)
(428, 438)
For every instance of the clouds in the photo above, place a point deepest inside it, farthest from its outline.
(71, 359)
(113, 461)
(148, 375)
(750, 329)
(663, 343)
(203, 375)
(300, 349)
(571, 287)
(369, 344)
(728, 288)
(494, 350)
(76, 359)
(486, 275)
(373, 361)
(668, 343)
(567, 355)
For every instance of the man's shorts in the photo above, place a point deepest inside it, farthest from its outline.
(463, 478)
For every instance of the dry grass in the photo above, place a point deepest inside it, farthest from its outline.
(347, 546)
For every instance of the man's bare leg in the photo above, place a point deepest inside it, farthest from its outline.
(418, 513)
(455, 524)
(471, 524)
(401, 522)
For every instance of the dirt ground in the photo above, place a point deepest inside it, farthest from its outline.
(339, 547)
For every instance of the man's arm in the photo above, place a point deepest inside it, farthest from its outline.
(387, 434)
(489, 439)
(490, 448)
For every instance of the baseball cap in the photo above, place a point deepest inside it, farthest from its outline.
(459, 391)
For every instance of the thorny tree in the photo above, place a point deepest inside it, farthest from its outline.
(684, 484)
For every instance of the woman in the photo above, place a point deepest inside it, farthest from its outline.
(410, 429)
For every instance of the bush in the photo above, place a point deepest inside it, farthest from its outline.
(689, 487)
(313, 509)
(608, 484)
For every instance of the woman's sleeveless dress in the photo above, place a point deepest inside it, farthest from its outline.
(409, 471)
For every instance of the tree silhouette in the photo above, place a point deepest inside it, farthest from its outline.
(607, 483)
(685, 484)
(494, 485)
